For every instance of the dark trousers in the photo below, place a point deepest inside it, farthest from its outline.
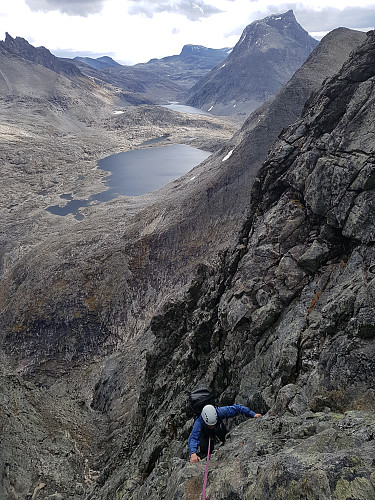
(217, 433)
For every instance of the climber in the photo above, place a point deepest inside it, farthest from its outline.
(210, 425)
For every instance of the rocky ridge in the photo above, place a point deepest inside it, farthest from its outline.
(40, 55)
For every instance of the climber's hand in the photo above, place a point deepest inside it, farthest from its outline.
(194, 458)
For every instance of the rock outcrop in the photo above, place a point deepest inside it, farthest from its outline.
(266, 56)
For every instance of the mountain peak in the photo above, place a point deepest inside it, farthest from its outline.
(288, 15)
(274, 31)
(267, 54)
(277, 19)
(192, 49)
(272, 27)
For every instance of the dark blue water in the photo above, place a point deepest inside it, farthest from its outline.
(144, 170)
(137, 172)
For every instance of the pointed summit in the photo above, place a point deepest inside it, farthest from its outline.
(267, 54)
(272, 31)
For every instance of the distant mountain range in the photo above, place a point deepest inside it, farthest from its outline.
(266, 56)
(222, 81)
(159, 80)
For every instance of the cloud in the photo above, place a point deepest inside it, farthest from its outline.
(329, 18)
(71, 7)
(191, 9)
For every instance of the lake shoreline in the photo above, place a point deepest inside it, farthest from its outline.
(135, 173)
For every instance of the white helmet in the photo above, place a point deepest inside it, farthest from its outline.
(209, 415)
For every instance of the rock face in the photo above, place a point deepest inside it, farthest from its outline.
(282, 320)
(266, 56)
(284, 323)
(314, 455)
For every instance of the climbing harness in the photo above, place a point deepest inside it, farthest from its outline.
(206, 473)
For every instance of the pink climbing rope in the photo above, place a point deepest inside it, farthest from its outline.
(206, 473)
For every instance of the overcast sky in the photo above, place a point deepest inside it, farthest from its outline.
(134, 31)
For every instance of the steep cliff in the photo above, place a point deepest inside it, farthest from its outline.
(284, 323)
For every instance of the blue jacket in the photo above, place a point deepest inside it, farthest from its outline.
(222, 412)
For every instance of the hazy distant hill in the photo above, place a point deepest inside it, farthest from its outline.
(193, 62)
(99, 62)
(158, 80)
(266, 56)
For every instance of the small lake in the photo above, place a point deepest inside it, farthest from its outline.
(137, 172)
(186, 109)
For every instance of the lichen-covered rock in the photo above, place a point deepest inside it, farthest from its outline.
(315, 455)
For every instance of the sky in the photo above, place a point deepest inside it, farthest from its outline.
(134, 31)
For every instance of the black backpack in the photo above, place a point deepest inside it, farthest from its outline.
(200, 398)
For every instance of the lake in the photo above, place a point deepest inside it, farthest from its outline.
(174, 106)
(137, 172)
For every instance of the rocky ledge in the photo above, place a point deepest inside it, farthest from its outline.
(314, 455)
